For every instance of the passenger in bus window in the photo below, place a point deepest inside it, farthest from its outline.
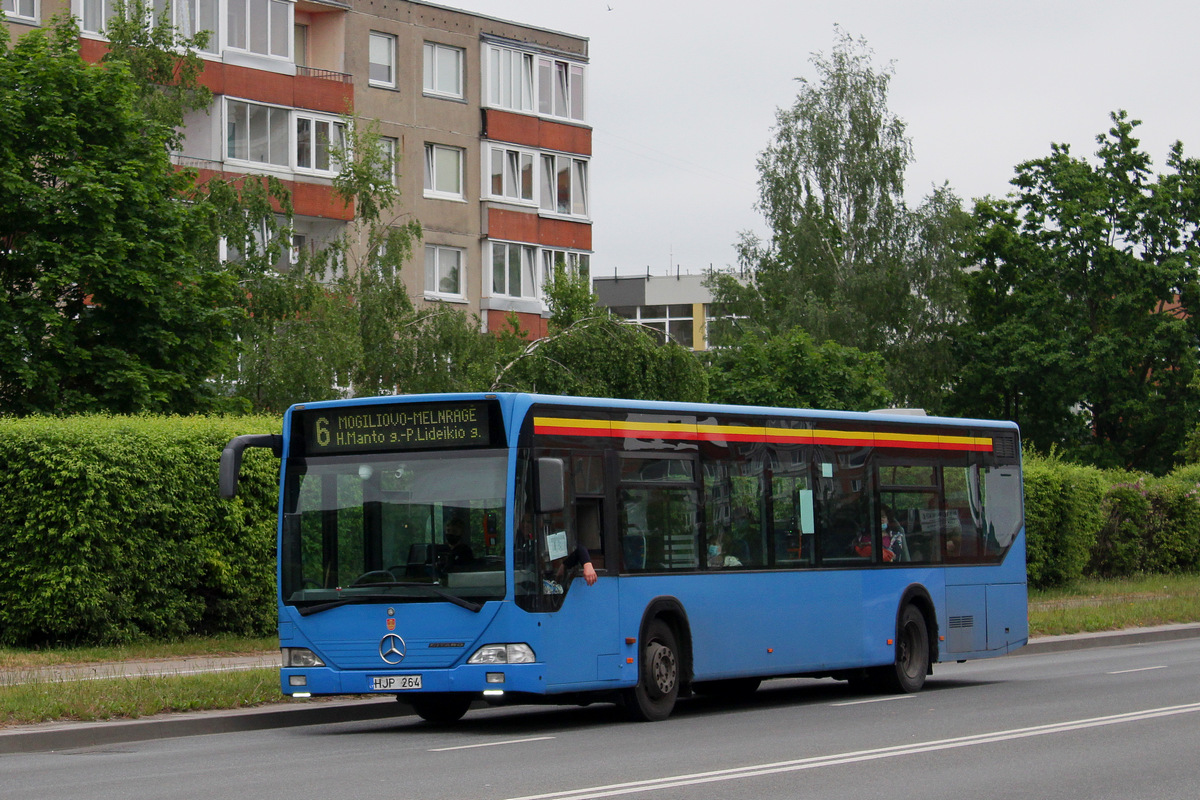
(895, 547)
(719, 555)
(560, 568)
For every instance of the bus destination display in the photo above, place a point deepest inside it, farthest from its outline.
(397, 427)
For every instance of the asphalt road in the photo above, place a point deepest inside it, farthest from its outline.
(1108, 722)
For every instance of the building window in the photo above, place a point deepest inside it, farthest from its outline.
(382, 54)
(560, 89)
(300, 45)
(193, 16)
(443, 271)
(514, 270)
(256, 133)
(575, 263)
(443, 70)
(260, 26)
(674, 321)
(443, 171)
(510, 79)
(20, 9)
(318, 141)
(389, 146)
(511, 174)
(564, 185)
(96, 14)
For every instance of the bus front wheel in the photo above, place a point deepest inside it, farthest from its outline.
(440, 708)
(653, 698)
(907, 675)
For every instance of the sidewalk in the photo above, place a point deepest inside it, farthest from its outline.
(74, 735)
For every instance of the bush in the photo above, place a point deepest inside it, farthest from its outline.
(114, 531)
(1152, 525)
(1062, 519)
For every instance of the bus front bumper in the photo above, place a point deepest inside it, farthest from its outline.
(477, 678)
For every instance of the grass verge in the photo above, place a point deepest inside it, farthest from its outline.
(1112, 605)
(44, 701)
(215, 646)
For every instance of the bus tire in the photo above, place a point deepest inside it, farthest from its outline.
(440, 708)
(653, 699)
(907, 674)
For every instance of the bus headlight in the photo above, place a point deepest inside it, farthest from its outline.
(503, 654)
(300, 657)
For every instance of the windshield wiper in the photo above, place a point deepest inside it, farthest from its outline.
(319, 607)
(458, 601)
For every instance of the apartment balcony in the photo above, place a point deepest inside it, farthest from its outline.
(308, 198)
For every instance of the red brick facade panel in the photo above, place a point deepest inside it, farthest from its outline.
(533, 324)
(522, 129)
(308, 199)
(518, 226)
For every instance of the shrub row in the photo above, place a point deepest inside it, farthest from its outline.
(112, 530)
(1085, 521)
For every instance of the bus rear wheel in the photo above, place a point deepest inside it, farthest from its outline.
(440, 708)
(653, 699)
(907, 674)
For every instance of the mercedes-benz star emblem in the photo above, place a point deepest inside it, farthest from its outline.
(391, 648)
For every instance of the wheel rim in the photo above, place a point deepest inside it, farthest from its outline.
(664, 671)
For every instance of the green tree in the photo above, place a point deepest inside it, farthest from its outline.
(109, 301)
(847, 260)
(1083, 323)
(590, 353)
(341, 322)
(792, 371)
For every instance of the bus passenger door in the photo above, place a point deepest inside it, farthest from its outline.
(579, 643)
(580, 646)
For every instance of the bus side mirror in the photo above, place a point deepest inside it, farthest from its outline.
(550, 486)
(231, 458)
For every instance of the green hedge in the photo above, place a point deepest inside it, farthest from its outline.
(1062, 519)
(1106, 523)
(112, 530)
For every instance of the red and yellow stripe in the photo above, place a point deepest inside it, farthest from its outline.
(567, 426)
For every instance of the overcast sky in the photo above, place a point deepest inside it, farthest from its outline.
(683, 97)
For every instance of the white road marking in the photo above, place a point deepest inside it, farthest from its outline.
(738, 773)
(490, 744)
(874, 700)
(1139, 669)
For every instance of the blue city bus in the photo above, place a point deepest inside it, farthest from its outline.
(430, 547)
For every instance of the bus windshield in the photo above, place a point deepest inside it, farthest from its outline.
(394, 528)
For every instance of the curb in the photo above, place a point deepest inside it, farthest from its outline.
(74, 735)
(56, 736)
(1085, 641)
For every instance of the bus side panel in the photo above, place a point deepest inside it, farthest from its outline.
(766, 623)
(1008, 616)
(987, 607)
(966, 619)
(883, 591)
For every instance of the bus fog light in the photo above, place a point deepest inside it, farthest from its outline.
(297, 680)
(495, 677)
(300, 657)
(503, 654)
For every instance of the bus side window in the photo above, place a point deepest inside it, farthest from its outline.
(587, 521)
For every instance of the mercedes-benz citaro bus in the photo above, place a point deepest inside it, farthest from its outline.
(434, 547)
